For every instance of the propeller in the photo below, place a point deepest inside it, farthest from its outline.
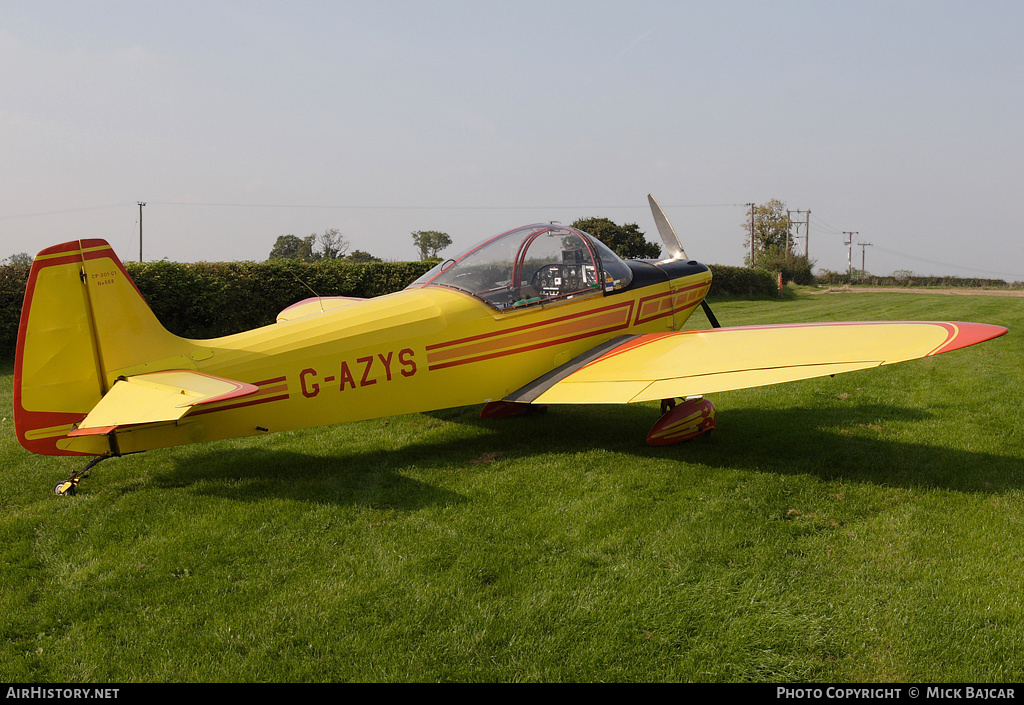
(668, 233)
(675, 249)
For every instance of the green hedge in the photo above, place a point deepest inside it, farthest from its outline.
(743, 282)
(12, 291)
(831, 278)
(210, 299)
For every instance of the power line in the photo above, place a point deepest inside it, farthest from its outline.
(438, 208)
(830, 229)
(61, 212)
(384, 207)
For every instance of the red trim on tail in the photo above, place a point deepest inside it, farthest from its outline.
(26, 422)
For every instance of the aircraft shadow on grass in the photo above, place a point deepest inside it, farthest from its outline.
(336, 477)
(851, 444)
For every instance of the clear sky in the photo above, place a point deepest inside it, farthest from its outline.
(237, 122)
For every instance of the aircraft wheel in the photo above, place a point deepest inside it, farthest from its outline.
(64, 488)
(693, 418)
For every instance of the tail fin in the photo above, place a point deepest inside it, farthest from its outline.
(82, 320)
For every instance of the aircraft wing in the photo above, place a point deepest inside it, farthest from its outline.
(157, 397)
(693, 363)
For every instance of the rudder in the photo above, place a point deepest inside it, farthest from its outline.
(82, 320)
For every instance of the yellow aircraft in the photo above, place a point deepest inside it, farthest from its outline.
(539, 315)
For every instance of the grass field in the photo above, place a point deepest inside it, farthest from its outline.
(862, 528)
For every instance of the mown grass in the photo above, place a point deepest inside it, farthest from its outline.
(859, 528)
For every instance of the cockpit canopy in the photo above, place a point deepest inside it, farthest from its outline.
(531, 265)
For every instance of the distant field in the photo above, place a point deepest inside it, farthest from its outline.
(949, 290)
(862, 528)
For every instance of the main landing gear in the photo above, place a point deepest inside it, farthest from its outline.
(683, 420)
(692, 418)
(66, 488)
(508, 409)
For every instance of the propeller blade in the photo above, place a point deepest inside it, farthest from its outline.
(675, 249)
(668, 233)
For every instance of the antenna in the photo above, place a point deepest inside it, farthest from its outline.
(319, 299)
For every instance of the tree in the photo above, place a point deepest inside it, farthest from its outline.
(626, 241)
(331, 244)
(430, 242)
(794, 268)
(361, 256)
(770, 232)
(293, 247)
(20, 258)
(772, 251)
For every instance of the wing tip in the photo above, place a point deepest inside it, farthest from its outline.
(967, 334)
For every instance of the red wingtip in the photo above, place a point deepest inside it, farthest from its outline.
(966, 334)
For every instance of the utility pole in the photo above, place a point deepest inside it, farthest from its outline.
(789, 229)
(141, 204)
(849, 256)
(751, 206)
(807, 228)
(863, 269)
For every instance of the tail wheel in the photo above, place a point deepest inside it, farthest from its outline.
(68, 487)
(65, 488)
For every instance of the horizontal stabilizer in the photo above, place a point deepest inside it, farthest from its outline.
(157, 397)
(692, 363)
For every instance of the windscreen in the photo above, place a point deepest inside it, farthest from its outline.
(530, 265)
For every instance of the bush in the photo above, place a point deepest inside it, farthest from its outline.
(794, 268)
(211, 299)
(13, 278)
(909, 279)
(742, 282)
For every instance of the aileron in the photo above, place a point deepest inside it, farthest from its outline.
(690, 363)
